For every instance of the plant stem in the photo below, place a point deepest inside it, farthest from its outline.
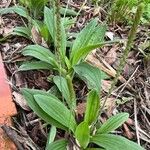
(131, 37)
(71, 91)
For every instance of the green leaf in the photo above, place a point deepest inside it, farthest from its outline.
(40, 53)
(51, 136)
(62, 85)
(113, 123)
(29, 96)
(37, 7)
(67, 22)
(36, 65)
(92, 107)
(89, 38)
(94, 149)
(98, 35)
(49, 21)
(91, 75)
(56, 110)
(45, 33)
(68, 12)
(114, 142)
(53, 90)
(82, 134)
(43, 30)
(23, 2)
(58, 145)
(68, 64)
(83, 52)
(63, 41)
(22, 31)
(22, 11)
(83, 37)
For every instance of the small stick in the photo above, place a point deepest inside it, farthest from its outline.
(13, 136)
(136, 122)
(128, 81)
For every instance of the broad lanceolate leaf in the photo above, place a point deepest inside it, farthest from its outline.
(83, 52)
(28, 94)
(92, 107)
(40, 53)
(83, 37)
(91, 75)
(113, 123)
(88, 39)
(35, 66)
(114, 142)
(49, 21)
(22, 31)
(58, 145)
(22, 11)
(82, 134)
(98, 35)
(56, 110)
(62, 85)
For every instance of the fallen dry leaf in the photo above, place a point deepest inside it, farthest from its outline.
(20, 80)
(106, 85)
(110, 35)
(6, 47)
(36, 36)
(7, 31)
(130, 121)
(128, 133)
(81, 108)
(111, 56)
(96, 11)
(19, 99)
(5, 3)
(110, 105)
(129, 68)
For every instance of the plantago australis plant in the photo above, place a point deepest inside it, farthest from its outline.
(89, 134)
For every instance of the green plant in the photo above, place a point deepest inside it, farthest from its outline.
(53, 111)
(35, 7)
(89, 133)
(121, 9)
(124, 10)
(146, 13)
(35, 26)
